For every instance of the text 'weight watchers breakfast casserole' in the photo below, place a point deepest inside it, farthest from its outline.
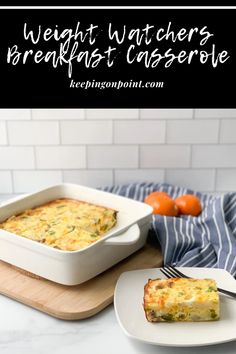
(181, 299)
(66, 224)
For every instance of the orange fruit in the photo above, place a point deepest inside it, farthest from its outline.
(189, 204)
(162, 204)
(157, 195)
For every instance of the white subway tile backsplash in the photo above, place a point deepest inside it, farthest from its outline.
(228, 131)
(5, 197)
(5, 182)
(139, 175)
(214, 156)
(200, 180)
(113, 156)
(192, 132)
(58, 114)
(90, 178)
(166, 113)
(165, 156)
(226, 180)
(98, 147)
(61, 157)
(33, 133)
(112, 114)
(215, 113)
(15, 114)
(16, 158)
(30, 181)
(86, 132)
(139, 132)
(3, 133)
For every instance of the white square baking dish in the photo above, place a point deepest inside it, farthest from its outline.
(76, 267)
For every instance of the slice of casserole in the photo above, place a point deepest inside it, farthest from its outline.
(181, 299)
(66, 224)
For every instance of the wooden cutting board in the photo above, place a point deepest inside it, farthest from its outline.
(72, 302)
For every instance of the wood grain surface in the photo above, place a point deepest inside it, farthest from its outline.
(72, 302)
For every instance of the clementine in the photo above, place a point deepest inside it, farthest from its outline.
(162, 204)
(189, 204)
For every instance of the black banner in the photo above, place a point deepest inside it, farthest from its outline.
(117, 58)
(123, 3)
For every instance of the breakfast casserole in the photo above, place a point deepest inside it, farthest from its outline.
(66, 224)
(181, 299)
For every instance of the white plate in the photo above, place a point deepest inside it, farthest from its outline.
(128, 302)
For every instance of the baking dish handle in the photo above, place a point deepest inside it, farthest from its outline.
(128, 237)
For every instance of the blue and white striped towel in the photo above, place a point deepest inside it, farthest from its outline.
(208, 240)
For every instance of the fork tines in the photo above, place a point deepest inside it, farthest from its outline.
(175, 272)
(171, 272)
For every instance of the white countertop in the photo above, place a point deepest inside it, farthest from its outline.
(27, 331)
(24, 330)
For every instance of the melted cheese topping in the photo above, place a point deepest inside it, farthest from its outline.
(181, 299)
(66, 224)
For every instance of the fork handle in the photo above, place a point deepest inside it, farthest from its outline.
(227, 292)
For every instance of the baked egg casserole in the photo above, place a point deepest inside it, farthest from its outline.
(181, 299)
(66, 224)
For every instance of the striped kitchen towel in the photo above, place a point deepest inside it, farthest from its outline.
(208, 240)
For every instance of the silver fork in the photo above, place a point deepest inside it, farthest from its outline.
(172, 272)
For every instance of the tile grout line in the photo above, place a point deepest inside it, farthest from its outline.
(35, 158)
(112, 132)
(8, 144)
(165, 135)
(60, 133)
(215, 178)
(218, 143)
(219, 128)
(7, 133)
(34, 146)
(113, 143)
(12, 181)
(174, 144)
(139, 156)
